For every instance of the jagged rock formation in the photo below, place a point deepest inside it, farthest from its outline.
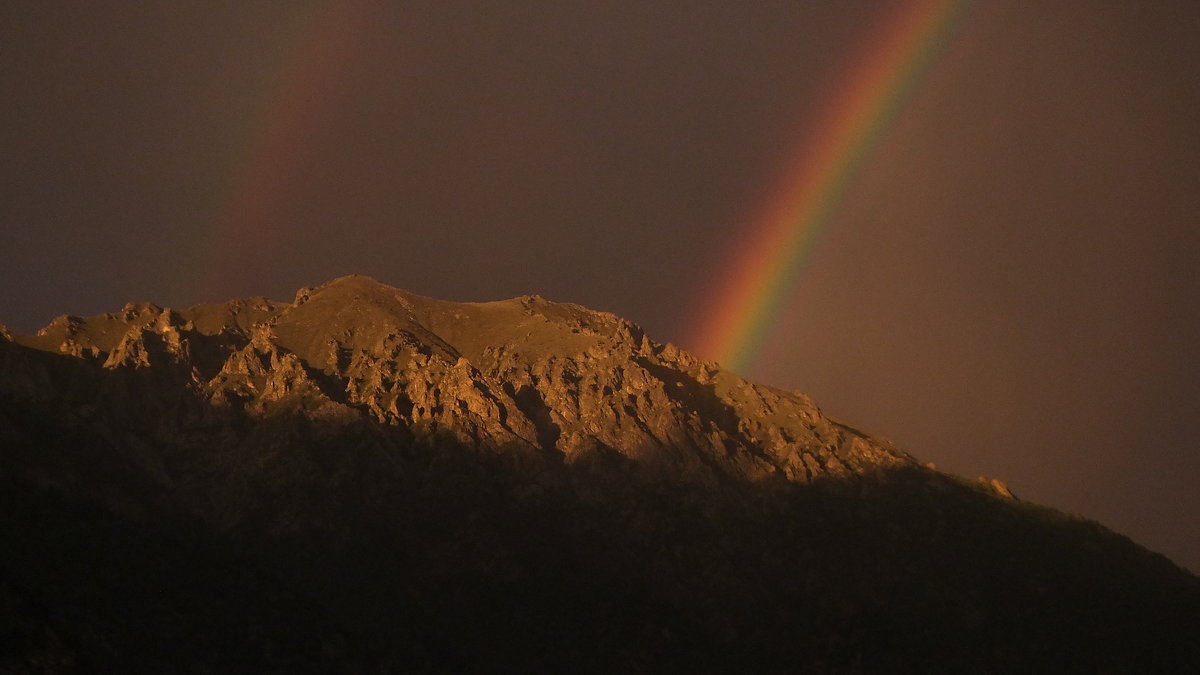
(523, 373)
(540, 477)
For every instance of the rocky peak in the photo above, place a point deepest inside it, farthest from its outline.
(529, 373)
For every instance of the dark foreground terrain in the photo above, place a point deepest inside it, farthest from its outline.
(366, 480)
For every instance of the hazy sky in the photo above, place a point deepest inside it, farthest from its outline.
(1009, 286)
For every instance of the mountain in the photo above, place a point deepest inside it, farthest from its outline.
(367, 480)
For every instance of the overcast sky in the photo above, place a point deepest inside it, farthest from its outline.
(1009, 286)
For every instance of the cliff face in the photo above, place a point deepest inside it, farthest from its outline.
(451, 485)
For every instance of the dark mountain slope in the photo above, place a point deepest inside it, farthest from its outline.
(367, 479)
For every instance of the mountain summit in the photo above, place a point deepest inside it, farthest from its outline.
(368, 479)
(526, 376)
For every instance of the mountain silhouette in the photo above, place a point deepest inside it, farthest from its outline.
(368, 480)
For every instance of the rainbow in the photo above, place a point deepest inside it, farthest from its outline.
(783, 234)
(299, 76)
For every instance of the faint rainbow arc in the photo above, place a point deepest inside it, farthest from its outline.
(247, 217)
(783, 234)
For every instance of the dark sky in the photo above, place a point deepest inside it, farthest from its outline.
(1008, 288)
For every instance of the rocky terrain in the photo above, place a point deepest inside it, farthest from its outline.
(369, 480)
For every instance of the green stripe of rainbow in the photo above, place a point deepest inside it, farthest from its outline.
(783, 235)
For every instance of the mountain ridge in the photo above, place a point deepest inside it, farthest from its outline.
(505, 485)
(345, 340)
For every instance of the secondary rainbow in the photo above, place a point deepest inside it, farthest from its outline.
(783, 234)
(258, 198)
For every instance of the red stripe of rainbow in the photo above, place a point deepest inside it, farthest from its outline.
(783, 234)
